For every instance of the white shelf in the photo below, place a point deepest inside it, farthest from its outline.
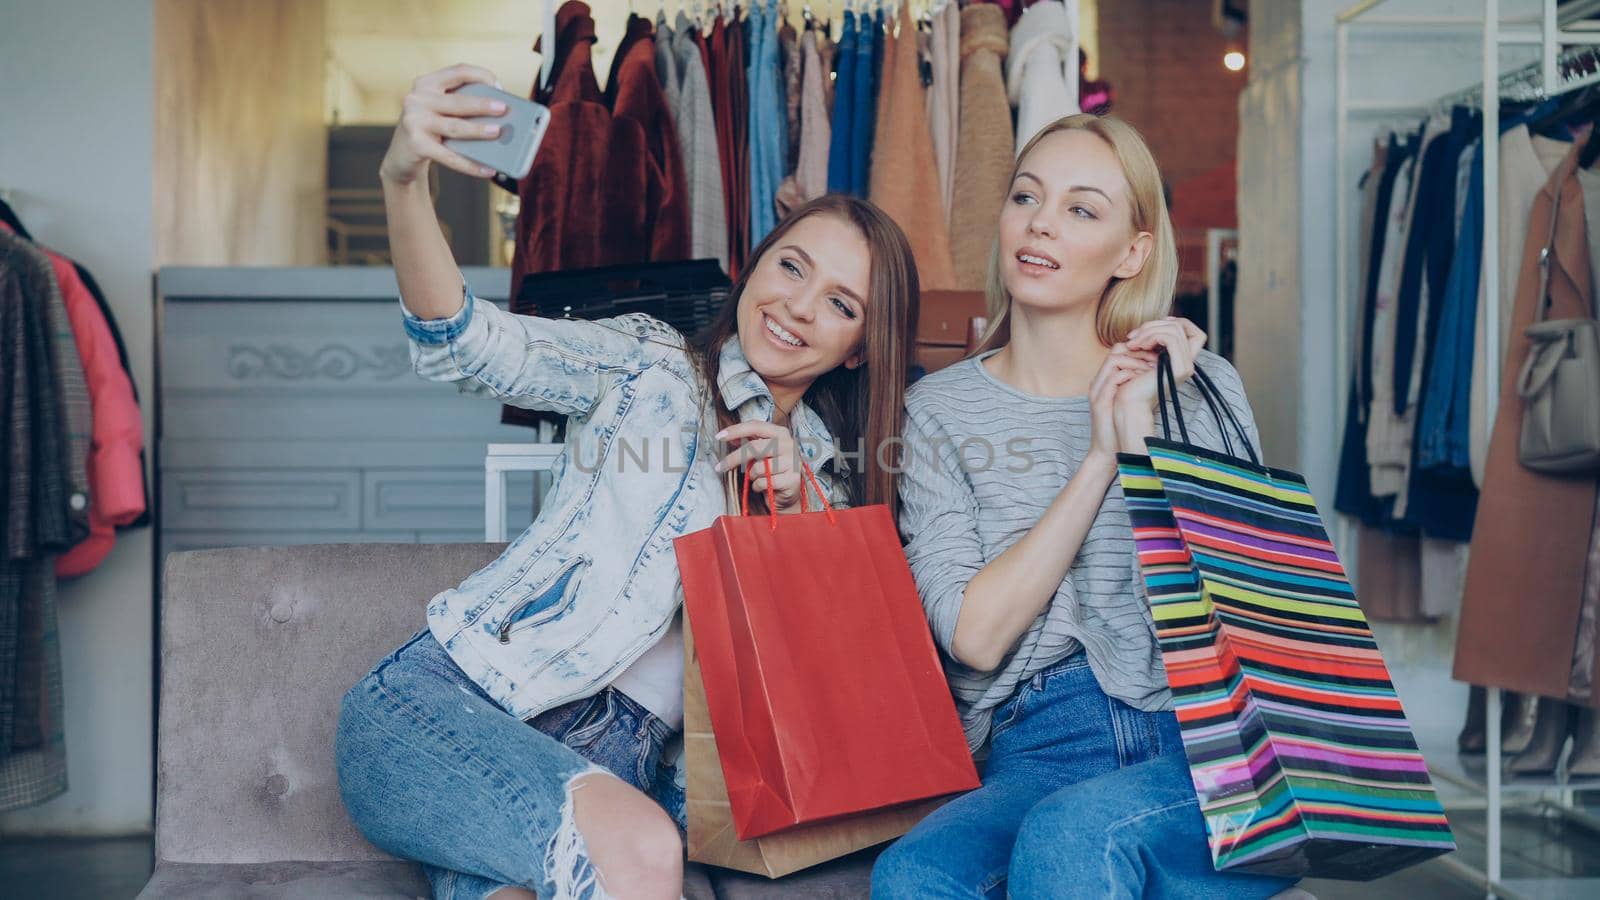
(1550, 888)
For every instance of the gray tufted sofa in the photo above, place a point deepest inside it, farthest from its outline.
(257, 647)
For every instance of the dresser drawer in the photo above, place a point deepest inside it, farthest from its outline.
(261, 499)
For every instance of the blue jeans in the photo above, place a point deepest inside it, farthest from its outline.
(1082, 796)
(432, 770)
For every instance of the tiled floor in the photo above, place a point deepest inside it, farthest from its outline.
(1536, 846)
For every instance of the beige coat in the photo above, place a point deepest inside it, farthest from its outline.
(1525, 580)
(983, 147)
(903, 158)
(944, 97)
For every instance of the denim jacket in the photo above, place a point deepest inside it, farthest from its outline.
(593, 582)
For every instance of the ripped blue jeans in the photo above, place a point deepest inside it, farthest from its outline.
(432, 770)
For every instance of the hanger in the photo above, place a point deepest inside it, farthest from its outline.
(1562, 111)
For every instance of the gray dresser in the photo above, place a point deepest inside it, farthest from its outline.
(288, 414)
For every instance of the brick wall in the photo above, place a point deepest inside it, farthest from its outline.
(1164, 60)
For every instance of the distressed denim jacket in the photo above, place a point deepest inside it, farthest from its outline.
(593, 582)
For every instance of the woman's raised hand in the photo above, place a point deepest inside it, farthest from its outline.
(1121, 368)
(1136, 400)
(429, 114)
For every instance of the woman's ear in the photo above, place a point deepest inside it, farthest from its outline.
(856, 360)
(1138, 254)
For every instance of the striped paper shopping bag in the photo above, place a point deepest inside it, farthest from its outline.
(1301, 755)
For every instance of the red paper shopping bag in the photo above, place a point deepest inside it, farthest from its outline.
(825, 691)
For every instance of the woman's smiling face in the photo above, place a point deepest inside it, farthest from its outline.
(804, 306)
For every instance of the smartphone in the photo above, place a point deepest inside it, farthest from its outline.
(521, 129)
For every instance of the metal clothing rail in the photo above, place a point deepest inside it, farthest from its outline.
(1555, 72)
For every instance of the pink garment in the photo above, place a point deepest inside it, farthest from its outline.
(116, 473)
(1013, 9)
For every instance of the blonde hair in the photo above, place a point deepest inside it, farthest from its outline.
(1127, 302)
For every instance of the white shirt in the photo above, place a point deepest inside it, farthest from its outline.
(655, 680)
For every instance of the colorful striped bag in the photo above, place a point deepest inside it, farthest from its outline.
(1301, 755)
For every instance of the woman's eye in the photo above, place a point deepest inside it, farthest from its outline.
(790, 267)
(844, 308)
(1082, 212)
(1021, 197)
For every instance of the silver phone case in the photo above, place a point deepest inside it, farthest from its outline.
(521, 130)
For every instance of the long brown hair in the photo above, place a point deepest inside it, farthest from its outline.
(1126, 303)
(862, 407)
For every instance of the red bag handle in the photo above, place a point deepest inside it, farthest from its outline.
(772, 510)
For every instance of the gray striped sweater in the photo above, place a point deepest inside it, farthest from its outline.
(985, 459)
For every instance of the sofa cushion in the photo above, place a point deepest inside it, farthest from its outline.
(258, 645)
(361, 880)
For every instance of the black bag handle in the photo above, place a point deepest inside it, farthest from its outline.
(1214, 399)
(1167, 382)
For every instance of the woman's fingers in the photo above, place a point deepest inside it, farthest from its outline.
(1105, 391)
(746, 430)
(1165, 333)
(779, 454)
(454, 77)
(1156, 333)
(749, 454)
(755, 441)
(1118, 369)
(1182, 340)
(780, 483)
(462, 105)
(456, 127)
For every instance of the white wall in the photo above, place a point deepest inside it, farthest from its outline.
(76, 157)
(1267, 304)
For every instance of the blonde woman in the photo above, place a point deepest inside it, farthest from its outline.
(1022, 550)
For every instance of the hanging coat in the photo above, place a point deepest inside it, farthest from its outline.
(816, 132)
(607, 185)
(638, 28)
(841, 173)
(869, 68)
(681, 66)
(789, 53)
(46, 432)
(769, 126)
(944, 96)
(647, 201)
(903, 158)
(1530, 542)
(563, 201)
(115, 463)
(725, 61)
(1042, 70)
(1526, 162)
(984, 149)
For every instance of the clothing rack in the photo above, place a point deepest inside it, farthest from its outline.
(1569, 59)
